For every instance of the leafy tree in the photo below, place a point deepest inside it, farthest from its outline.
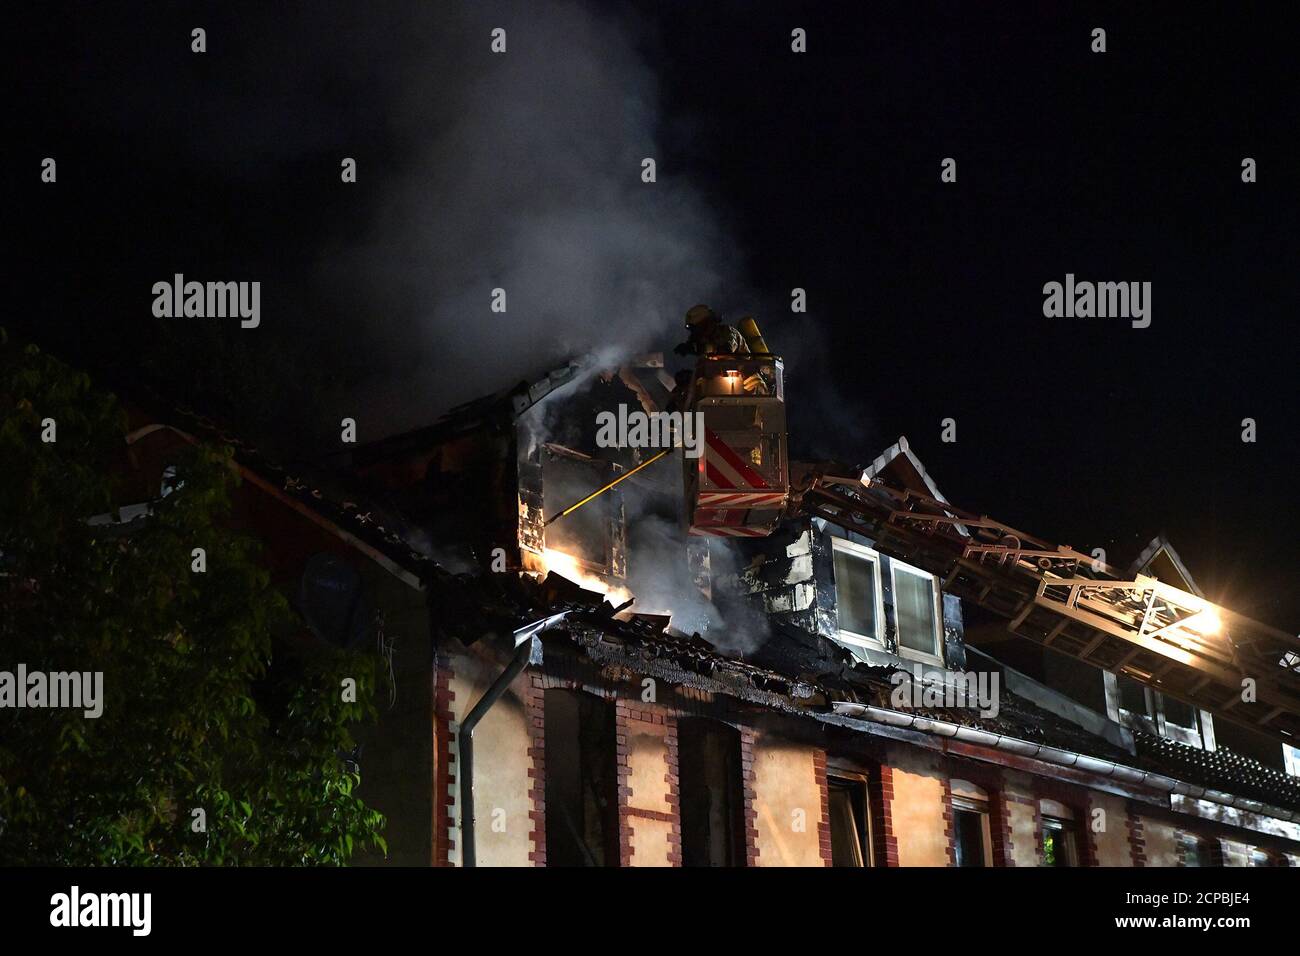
(202, 708)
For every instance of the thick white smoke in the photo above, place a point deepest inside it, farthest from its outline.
(523, 171)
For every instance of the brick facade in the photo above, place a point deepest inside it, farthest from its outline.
(1088, 850)
(1040, 852)
(1009, 798)
(1000, 828)
(751, 798)
(444, 769)
(880, 791)
(1137, 841)
(949, 823)
(674, 791)
(824, 824)
(628, 712)
(1078, 801)
(622, 714)
(535, 709)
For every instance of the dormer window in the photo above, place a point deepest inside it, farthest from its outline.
(1133, 704)
(860, 602)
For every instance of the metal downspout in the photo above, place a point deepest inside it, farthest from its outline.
(528, 650)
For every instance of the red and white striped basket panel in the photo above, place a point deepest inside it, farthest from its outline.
(726, 469)
(740, 499)
(730, 532)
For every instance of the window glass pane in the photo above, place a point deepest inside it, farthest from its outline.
(1058, 843)
(914, 608)
(1132, 695)
(581, 780)
(712, 794)
(1194, 851)
(1176, 712)
(848, 823)
(855, 592)
(970, 837)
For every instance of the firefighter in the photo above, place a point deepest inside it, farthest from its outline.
(709, 335)
(681, 387)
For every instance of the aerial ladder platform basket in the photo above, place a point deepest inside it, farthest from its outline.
(740, 483)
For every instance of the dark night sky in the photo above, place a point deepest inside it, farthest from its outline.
(819, 171)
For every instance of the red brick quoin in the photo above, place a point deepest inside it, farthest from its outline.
(750, 792)
(534, 711)
(881, 795)
(824, 823)
(444, 773)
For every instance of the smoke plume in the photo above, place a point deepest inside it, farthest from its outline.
(522, 171)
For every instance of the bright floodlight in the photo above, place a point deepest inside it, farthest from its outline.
(1207, 622)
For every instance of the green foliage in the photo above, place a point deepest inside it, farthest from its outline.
(201, 706)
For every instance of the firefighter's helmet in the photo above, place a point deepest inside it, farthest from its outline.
(699, 314)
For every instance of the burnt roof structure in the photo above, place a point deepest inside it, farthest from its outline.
(794, 670)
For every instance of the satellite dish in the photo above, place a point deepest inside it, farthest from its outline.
(330, 599)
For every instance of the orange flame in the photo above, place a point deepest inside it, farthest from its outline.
(569, 567)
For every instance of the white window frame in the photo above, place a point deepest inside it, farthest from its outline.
(1063, 821)
(1153, 720)
(855, 779)
(1291, 759)
(1176, 731)
(907, 652)
(875, 641)
(973, 799)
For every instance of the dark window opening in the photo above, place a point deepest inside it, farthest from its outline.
(581, 781)
(586, 533)
(850, 839)
(1196, 852)
(331, 600)
(712, 793)
(970, 826)
(1060, 846)
(1132, 695)
(1177, 712)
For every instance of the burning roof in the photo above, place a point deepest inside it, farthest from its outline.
(791, 670)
